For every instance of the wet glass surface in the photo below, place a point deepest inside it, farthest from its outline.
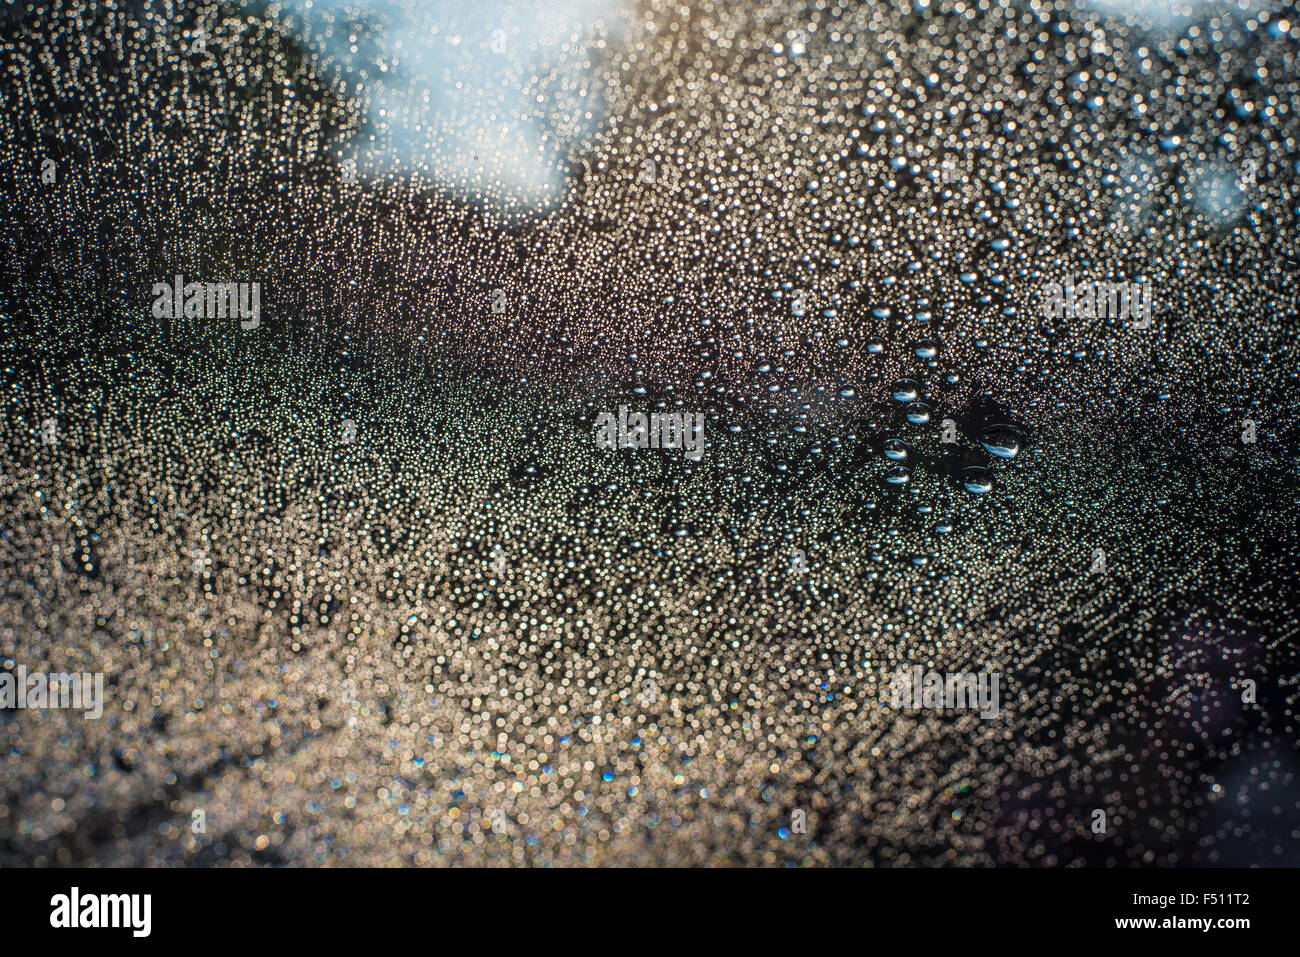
(555, 433)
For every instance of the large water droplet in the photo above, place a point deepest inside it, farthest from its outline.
(1002, 440)
(977, 479)
(906, 390)
(898, 475)
(918, 413)
(895, 450)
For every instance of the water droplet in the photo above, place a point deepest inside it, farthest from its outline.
(906, 390)
(977, 479)
(1002, 440)
(898, 475)
(925, 348)
(895, 449)
(918, 413)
